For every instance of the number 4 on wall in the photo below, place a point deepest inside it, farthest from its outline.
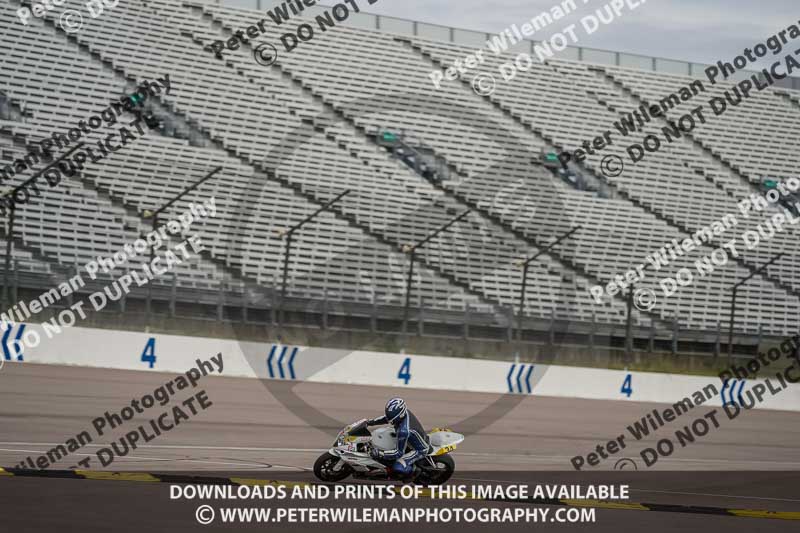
(149, 352)
(626, 386)
(405, 371)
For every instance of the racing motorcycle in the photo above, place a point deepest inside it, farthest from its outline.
(350, 456)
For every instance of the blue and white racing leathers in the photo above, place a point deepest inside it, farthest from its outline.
(412, 442)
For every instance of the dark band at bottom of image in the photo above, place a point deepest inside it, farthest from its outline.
(474, 497)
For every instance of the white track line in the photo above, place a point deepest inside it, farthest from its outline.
(298, 450)
(472, 454)
(173, 447)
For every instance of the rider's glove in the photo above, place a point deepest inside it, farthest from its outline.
(375, 453)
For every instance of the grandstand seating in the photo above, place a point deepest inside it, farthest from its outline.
(291, 136)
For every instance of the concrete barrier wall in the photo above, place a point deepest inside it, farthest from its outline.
(173, 353)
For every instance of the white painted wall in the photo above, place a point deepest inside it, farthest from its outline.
(173, 353)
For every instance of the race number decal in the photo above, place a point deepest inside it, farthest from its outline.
(149, 352)
(405, 371)
(626, 386)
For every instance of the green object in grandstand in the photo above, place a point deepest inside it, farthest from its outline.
(551, 156)
(770, 184)
(389, 137)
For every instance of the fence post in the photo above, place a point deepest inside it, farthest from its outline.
(510, 332)
(373, 319)
(675, 336)
(124, 299)
(15, 287)
(629, 323)
(421, 319)
(325, 310)
(173, 294)
(70, 297)
(466, 321)
(245, 299)
(220, 299)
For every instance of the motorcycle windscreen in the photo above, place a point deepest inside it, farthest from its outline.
(359, 432)
(384, 439)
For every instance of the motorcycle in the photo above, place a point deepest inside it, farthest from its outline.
(350, 456)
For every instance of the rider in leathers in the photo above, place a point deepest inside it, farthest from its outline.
(412, 441)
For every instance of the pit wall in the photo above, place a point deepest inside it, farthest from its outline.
(125, 350)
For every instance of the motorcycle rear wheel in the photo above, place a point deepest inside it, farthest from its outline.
(323, 468)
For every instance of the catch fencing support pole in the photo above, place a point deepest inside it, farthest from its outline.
(154, 216)
(289, 234)
(9, 251)
(525, 263)
(733, 302)
(412, 250)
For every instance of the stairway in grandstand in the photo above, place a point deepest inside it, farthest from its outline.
(716, 171)
(719, 172)
(636, 100)
(337, 249)
(293, 135)
(792, 97)
(355, 141)
(72, 223)
(569, 116)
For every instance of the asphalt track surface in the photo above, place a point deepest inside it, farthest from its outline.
(748, 463)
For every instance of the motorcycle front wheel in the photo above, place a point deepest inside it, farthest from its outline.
(445, 466)
(325, 468)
